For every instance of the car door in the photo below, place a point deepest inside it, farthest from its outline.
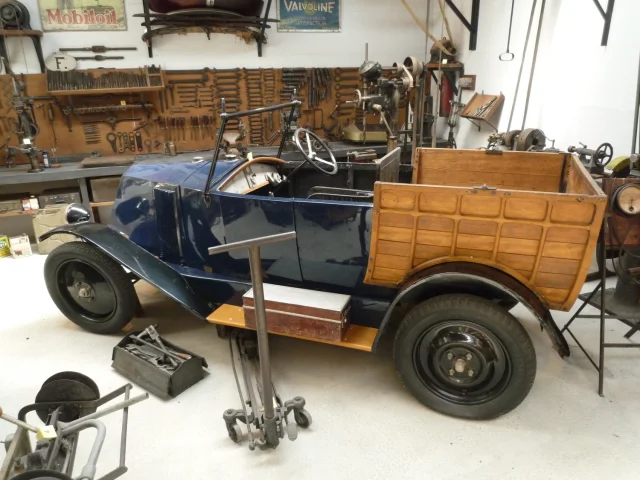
(250, 216)
(333, 243)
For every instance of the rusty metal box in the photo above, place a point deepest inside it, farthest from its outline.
(300, 312)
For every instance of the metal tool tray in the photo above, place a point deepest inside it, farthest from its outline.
(153, 378)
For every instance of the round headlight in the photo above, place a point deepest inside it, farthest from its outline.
(78, 213)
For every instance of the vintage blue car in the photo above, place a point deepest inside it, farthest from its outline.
(457, 348)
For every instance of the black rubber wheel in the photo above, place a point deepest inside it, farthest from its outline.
(90, 288)
(66, 387)
(235, 433)
(303, 418)
(79, 377)
(42, 475)
(465, 356)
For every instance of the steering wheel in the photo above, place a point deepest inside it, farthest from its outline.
(308, 142)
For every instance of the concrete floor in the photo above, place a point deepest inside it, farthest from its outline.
(365, 425)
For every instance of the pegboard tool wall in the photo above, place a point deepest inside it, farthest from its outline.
(185, 110)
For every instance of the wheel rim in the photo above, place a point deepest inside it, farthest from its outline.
(462, 362)
(84, 287)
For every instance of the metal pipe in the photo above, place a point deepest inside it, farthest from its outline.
(524, 54)
(123, 434)
(89, 470)
(108, 410)
(636, 114)
(252, 242)
(17, 422)
(255, 264)
(533, 64)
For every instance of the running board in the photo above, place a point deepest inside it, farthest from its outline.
(355, 337)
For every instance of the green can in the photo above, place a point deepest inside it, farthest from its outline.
(5, 251)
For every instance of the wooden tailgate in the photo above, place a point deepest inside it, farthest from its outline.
(545, 240)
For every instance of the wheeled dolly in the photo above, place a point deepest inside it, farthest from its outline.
(269, 415)
(67, 403)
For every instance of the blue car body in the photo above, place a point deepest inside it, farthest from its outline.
(163, 209)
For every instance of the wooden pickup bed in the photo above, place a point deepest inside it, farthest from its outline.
(535, 216)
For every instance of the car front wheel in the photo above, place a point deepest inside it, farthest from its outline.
(465, 356)
(90, 288)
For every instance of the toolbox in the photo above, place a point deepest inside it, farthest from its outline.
(164, 382)
(59, 195)
(301, 312)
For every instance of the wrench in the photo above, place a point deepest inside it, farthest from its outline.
(112, 139)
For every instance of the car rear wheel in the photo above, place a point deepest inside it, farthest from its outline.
(465, 356)
(90, 288)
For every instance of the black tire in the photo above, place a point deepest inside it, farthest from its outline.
(440, 330)
(117, 309)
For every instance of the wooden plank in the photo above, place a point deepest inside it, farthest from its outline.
(394, 248)
(356, 337)
(578, 179)
(470, 178)
(555, 296)
(397, 199)
(568, 235)
(477, 227)
(395, 234)
(470, 252)
(559, 265)
(388, 274)
(521, 230)
(392, 261)
(517, 262)
(427, 252)
(434, 202)
(564, 250)
(392, 219)
(526, 209)
(480, 206)
(428, 237)
(438, 224)
(519, 246)
(554, 280)
(475, 242)
(573, 213)
(101, 204)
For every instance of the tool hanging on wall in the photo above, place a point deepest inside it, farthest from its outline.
(507, 56)
(97, 49)
(100, 58)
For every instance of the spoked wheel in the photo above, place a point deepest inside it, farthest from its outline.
(66, 387)
(90, 288)
(465, 356)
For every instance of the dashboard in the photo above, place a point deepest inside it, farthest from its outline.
(252, 175)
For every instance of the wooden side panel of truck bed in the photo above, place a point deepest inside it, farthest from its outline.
(542, 238)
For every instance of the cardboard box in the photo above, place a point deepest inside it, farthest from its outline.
(58, 196)
(20, 246)
(104, 189)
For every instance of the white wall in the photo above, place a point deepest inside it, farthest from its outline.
(581, 91)
(391, 34)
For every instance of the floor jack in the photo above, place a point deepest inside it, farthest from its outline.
(263, 411)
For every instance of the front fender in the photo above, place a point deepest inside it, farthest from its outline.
(478, 280)
(138, 260)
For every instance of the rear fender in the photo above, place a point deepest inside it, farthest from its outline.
(474, 279)
(139, 261)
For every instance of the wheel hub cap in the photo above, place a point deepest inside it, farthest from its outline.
(462, 362)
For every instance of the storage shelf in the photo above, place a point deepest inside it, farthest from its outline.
(101, 204)
(356, 337)
(15, 214)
